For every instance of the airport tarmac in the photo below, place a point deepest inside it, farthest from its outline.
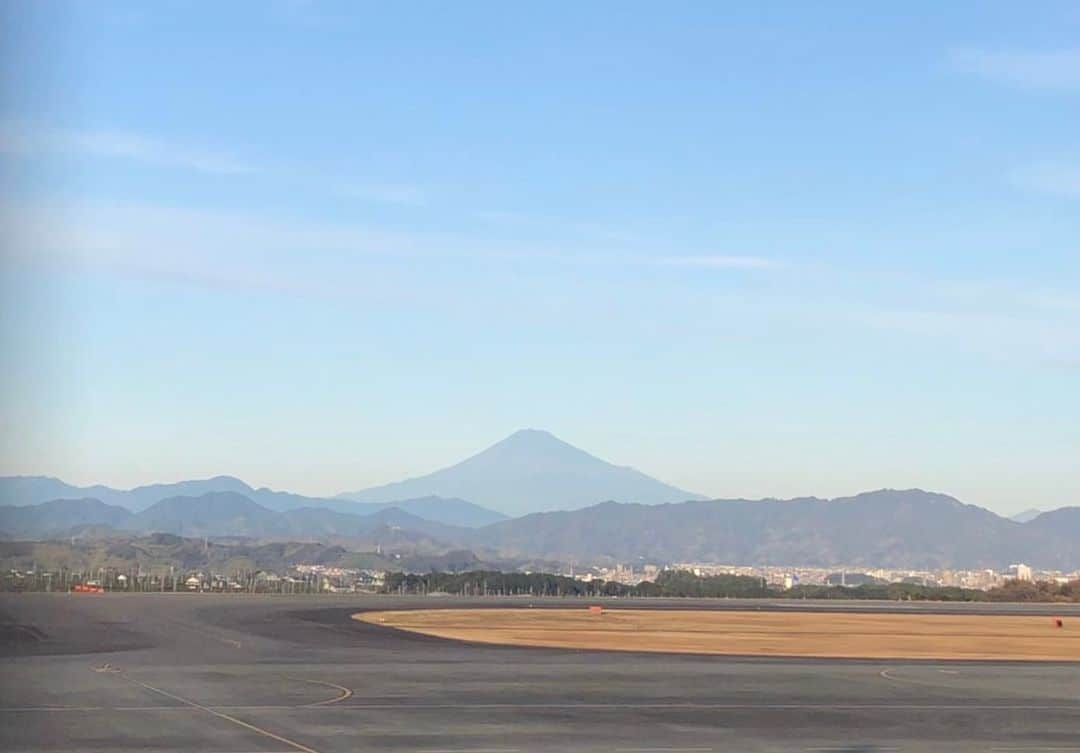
(247, 674)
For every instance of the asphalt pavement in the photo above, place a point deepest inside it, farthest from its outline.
(240, 674)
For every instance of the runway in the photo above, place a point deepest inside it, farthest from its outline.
(247, 674)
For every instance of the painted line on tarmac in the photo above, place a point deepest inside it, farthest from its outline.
(344, 692)
(205, 633)
(887, 674)
(239, 722)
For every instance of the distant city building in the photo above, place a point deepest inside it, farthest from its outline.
(1022, 572)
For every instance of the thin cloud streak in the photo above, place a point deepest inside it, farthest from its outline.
(253, 253)
(720, 262)
(91, 232)
(33, 140)
(245, 250)
(404, 195)
(1047, 70)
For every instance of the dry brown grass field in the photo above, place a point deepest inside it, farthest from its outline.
(808, 634)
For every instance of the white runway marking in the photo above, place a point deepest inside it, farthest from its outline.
(887, 674)
(239, 722)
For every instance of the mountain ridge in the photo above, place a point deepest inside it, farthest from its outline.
(21, 491)
(215, 514)
(884, 528)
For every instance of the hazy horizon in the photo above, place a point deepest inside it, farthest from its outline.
(334, 492)
(749, 252)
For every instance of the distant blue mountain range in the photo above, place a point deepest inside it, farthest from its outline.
(572, 507)
(32, 490)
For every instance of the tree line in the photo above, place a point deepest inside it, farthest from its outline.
(669, 583)
(681, 583)
(136, 581)
(496, 583)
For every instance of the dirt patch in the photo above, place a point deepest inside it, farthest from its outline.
(809, 634)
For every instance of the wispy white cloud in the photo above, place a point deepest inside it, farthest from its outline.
(1018, 320)
(35, 140)
(28, 139)
(1058, 179)
(244, 250)
(532, 223)
(385, 193)
(1050, 70)
(719, 262)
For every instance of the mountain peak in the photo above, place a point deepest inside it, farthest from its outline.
(531, 434)
(220, 483)
(532, 445)
(905, 495)
(1027, 515)
(534, 440)
(227, 479)
(531, 430)
(529, 471)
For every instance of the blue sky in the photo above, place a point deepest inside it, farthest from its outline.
(752, 250)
